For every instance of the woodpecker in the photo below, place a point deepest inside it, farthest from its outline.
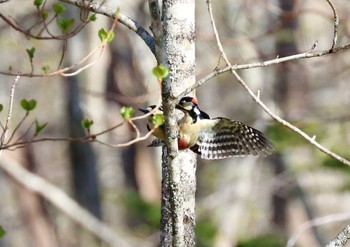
(160, 131)
(217, 138)
(212, 138)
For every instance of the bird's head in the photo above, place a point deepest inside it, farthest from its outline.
(189, 105)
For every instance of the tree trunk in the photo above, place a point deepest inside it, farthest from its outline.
(175, 47)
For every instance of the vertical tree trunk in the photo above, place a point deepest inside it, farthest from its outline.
(175, 37)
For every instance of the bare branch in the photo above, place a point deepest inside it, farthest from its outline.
(261, 64)
(125, 20)
(62, 201)
(336, 23)
(317, 222)
(256, 98)
(9, 112)
(66, 36)
(341, 239)
(308, 54)
(310, 139)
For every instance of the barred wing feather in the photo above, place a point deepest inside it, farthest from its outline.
(230, 138)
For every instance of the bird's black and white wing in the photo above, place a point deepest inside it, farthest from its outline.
(230, 138)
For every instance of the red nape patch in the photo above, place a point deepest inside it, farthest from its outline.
(182, 144)
(194, 101)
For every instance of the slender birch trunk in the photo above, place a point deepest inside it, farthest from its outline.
(174, 30)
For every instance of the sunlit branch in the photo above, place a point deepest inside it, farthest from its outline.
(256, 98)
(316, 222)
(62, 201)
(9, 111)
(125, 20)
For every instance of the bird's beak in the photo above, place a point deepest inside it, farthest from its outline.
(143, 110)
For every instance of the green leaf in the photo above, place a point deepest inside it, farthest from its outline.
(1, 107)
(46, 69)
(127, 112)
(2, 232)
(65, 24)
(105, 36)
(92, 17)
(44, 14)
(37, 3)
(59, 8)
(31, 52)
(28, 105)
(102, 34)
(87, 123)
(158, 119)
(160, 71)
(39, 127)
(110, 36)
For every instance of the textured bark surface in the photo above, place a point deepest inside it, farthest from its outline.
(175, 46)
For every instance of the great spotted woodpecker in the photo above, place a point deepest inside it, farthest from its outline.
(215, 138)
(218, 138)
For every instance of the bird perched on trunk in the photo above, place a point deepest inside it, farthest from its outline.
(215, 138)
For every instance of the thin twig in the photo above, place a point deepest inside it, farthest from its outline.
(125, 20)
(335, 23)
(261, 64)
(103, 46)
(312, 140)
(93, 136)
(316, 222)
(9, 112)
(135, 140)
(17, 127)
(131, 121)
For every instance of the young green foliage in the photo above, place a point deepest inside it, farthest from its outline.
(1, 107)
(92, 17)
(38, 3)
(127, 112)
(39, 127)
(28, 105)
(160, 71)
(104, 35)
(65, 24)
(87, 123)
(158, 119)
(44, 14)
(59, 8)
(46, 69)
(30, 53)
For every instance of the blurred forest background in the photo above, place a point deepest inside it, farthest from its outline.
(240, 201)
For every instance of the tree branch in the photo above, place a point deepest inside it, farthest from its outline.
(266, 63)
(308, 54)
(317, 222)
(335, 23)
(256, 98)
(60, 200)
(125, 20)
(9, 111)
(341, 239)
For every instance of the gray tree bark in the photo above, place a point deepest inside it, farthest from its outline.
(174, 30)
